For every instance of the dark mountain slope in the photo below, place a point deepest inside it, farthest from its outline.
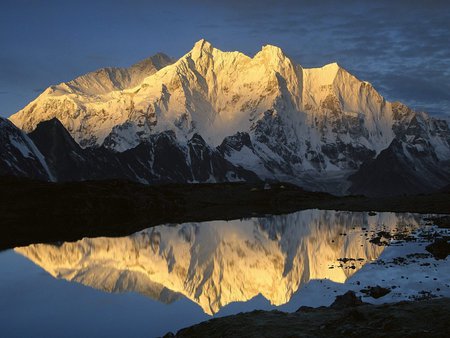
(160, 159)
(18, 155)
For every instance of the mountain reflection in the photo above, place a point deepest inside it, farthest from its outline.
(216, 263)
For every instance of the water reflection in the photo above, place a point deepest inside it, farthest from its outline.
(216, 263)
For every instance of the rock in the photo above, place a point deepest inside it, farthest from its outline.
(348, 299)
(440, 249)
(382, 238)
(356, 315)
(441, 222)
(306, 309)
(345, 260)
(376, 291)
(428, 318)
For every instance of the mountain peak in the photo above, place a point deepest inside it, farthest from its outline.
(271, 49)
(333, 65)
(201, 48)
(51, 123)
(19, 156)
(271, 52)
(158, 61)
(202, 45)
(53, 127)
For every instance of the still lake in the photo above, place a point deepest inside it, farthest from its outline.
(168, 277)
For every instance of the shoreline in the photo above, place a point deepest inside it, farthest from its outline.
(42, 212)
(424, 318)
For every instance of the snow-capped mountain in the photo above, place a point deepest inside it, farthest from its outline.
(19, 155)
(217, 263)
(416, 161)
(314, 127)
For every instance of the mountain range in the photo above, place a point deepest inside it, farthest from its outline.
(214, 116)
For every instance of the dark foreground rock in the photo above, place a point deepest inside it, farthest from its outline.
(376, 291)
(428, 318)
(441, 221)
(348, 299)
(440, 248)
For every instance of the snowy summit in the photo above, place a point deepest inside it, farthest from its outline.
(266, 114)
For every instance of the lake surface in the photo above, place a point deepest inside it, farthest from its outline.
(168, 277)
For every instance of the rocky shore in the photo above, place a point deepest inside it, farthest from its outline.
(348, 316)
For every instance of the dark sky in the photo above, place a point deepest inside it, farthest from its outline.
(401, 47)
